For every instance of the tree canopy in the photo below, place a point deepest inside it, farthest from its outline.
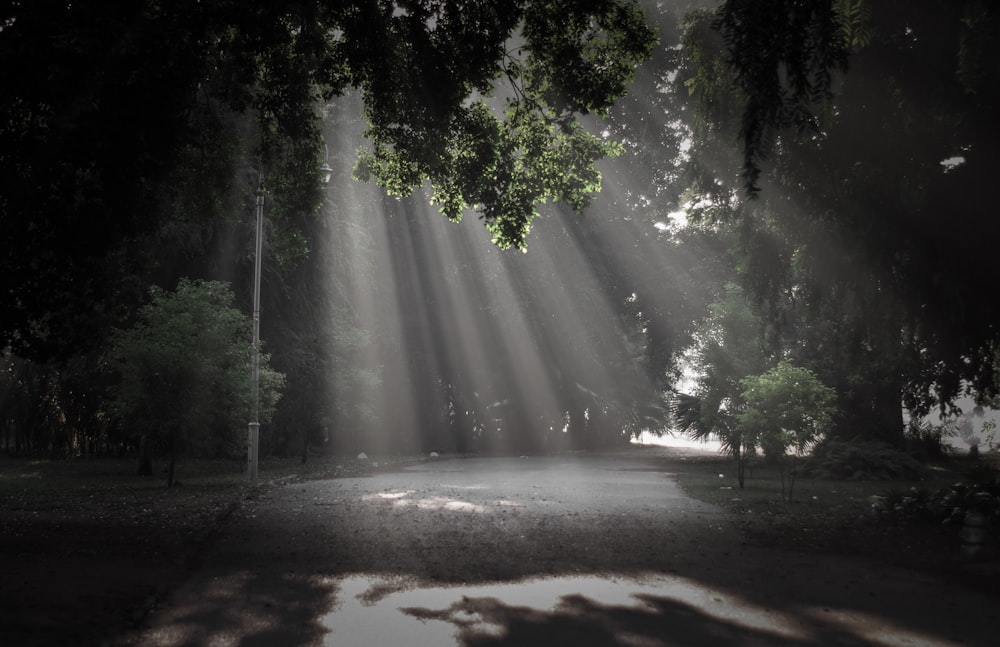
(866, 146)
(119, 118)
(833, 159)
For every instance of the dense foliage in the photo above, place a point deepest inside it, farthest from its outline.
(832, 159)
(119, 119)
(133, 138)
(185, 381)
(787, 409)
(869, 185)
(945, 505)
(728, 348)
(861, 459)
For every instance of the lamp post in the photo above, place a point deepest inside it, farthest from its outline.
(325, 172)
(253, 431)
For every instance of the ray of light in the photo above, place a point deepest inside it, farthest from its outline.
(472, 344)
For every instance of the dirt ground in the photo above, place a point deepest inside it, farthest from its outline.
(82, 568)
(265, 571)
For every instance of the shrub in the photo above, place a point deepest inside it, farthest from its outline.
(861, 460)
(947, 505)
(925, 441)
(787, 408)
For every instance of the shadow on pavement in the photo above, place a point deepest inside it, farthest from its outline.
(322, 563)
(246, 609)
(581, 621)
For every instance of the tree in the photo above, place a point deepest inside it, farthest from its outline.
(783, 54)
(729, 347)
(786, 408)
(185, 374)
(118, 117)
(842, 242)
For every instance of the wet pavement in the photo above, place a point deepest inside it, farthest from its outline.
(537, 551)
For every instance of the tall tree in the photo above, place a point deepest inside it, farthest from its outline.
(111, 103)
(852, 173)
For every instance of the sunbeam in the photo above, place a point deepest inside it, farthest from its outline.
(477, 349)
(470, 348)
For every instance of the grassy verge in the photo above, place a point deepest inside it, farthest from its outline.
(26, 475)
(712, 479)
(91, 490)
(836, 516)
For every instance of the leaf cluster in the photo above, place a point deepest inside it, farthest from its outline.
(728, 348)
(783, 54)
(185, 370)
(432, 116)
(786, 408)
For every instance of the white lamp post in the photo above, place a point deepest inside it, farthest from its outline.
(253, 432)
(325, 172)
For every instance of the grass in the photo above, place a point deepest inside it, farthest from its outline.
(713, 480)
(831, 516)
(90, 489)
(23, 475)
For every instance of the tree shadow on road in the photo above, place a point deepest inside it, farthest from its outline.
(580, 621)
(247, 609)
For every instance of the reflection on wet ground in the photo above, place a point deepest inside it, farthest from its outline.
(649, 611)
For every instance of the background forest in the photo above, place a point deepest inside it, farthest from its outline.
(652, 211)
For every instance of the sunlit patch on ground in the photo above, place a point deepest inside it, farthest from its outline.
(387, 495)
(403, 499)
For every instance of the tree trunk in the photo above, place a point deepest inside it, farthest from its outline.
(305, 444)
(145, 457)
(741, 463)
(791, 479)
(888, 414)
(577, 426)
(873, 412)
(462, 426)
(170, 470)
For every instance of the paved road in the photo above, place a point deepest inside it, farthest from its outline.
(537, 551)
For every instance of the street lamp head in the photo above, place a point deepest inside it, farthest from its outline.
(325, 173)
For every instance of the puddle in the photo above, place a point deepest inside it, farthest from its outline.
(378, 611)
(647, 611)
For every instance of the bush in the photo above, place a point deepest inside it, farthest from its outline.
(861, 460)
(947, 505)
(925, 441)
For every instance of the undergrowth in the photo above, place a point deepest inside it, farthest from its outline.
(862, 460)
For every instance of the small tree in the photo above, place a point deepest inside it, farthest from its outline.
(185, 368)
(728, 346)
(786, 408)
